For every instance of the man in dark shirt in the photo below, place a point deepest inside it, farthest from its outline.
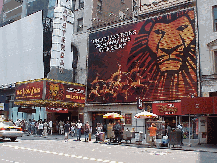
(67, 129)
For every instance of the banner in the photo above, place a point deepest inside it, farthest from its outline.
(154, 59)
(29, 91)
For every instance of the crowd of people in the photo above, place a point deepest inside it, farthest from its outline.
(45, 128)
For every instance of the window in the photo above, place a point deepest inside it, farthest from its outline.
(73, 5)
(215, 18)
(80, 25)
(99, 5)
(81, 4)
(215, 58)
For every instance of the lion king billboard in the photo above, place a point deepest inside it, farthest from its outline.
(154, 59)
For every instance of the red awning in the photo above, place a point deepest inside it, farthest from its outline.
(199, 105)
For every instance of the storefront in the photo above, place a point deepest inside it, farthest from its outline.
(206, 110)
(59, 100)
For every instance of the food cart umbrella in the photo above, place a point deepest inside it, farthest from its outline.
(112, 116)
(144, 115)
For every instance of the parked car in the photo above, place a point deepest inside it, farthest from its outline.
(9, 130)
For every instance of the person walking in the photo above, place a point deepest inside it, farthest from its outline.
(67, 129)
(45, 125)
(72, 129)
(40, 128)
(61, 129)
(86, 131)
(117, 131)
(50, 126)
(152, 131)
(79, 125)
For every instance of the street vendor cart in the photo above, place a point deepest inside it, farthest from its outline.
(110, 132)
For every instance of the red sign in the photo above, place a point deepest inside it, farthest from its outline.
(199, 105)
(167, 108)
(57, 110)
(29, 91)
(65, 92)
(75, 93)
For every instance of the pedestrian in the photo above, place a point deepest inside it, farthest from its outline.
(67, 129)
(40, 128)
(78, 126)
(36, 127)
(50, 126)
(33, 127)
(61, 129)
(86, 131)
(29, 126)
(181, 132)
(152, 131)
(117, 131)
(17, 123)
(45, 125)
(72, 129)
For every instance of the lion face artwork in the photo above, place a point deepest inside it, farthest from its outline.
(166, 51)
(168, 41)
(55, 91)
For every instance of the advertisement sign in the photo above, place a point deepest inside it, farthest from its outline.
(75, 93)
(29, 91)
(65, 92)
(54, 91)
(154, 59)
(57, 110)
(167, 108)
(61, 44)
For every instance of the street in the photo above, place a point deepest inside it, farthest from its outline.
(44, 150)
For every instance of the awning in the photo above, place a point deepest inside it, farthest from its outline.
(199, 105)
(49, 92)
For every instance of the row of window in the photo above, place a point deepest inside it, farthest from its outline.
(81, 4)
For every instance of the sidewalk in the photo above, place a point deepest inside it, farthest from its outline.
(194, 143)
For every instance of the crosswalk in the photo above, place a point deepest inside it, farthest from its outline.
(60, 154)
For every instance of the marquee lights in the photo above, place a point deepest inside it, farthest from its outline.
(57, 81)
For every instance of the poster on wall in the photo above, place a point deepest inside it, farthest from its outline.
(154, 59)
(128, 119)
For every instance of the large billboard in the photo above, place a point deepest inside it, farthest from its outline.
(154, 59)
(21, 50)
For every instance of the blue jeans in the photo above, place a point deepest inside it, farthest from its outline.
(78, 134)
(86, 134)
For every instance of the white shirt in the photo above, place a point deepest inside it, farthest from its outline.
(79, 125)
(50, 124)
(40, 126)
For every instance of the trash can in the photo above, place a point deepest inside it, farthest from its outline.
(175, 137)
